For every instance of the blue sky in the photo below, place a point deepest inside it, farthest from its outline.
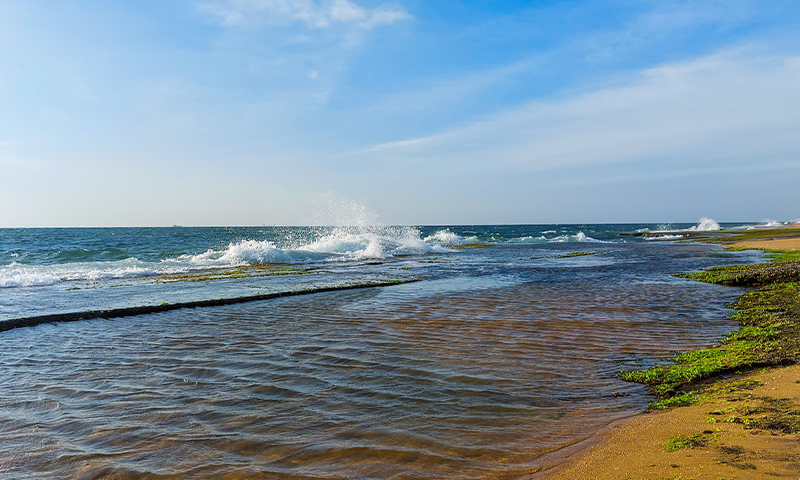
(250, 112)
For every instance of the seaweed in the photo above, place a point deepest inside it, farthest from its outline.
(580, 254)
(769, 333)
(680, 442)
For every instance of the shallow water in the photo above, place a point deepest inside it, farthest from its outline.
(500, 354)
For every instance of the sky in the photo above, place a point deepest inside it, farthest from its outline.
(262, 112)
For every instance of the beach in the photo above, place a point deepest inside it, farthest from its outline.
(637, 448)
(369, 352)
(744, 424)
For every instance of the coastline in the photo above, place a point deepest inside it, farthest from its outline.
(636, 447)
(740, 424)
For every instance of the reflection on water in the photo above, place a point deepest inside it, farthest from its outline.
(412, 381)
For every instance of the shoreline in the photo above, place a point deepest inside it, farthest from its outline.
(637, 447)
(722, 433)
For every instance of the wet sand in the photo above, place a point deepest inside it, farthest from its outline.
(637, 448)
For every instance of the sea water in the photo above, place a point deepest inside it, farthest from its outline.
(504, 347)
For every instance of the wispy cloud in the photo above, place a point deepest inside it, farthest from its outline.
(735, 105)
(313, 14)
(386, 146)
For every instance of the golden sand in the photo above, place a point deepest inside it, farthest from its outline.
(636, 449)
(770, 244)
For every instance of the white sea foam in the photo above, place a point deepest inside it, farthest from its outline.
(705, 225)
(340, 244)
(244, 252)
(661, 227)
(17, 275)
(346, 243)
(578, 237)
(447, 238)
(331, 244)
(529, 239)
(664, 237)
(766, 224)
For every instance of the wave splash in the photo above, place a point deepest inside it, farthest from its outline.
(705, 225)
(766, 224)
(579, 237)
(19, 275)
(340, 244)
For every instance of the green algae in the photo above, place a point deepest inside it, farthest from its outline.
(680, 442)
(682, 400)
(769, 333)
(727, 237)
(761, 413)
(777, 271)
(580, 254)
(256, 270)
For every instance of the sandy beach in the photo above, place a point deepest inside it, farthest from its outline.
(741, 429)
(637, 448)
(785, 240)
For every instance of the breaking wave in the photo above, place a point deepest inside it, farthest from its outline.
(339, 244)
(345, 243)
(319, 246)
(579, 237)
(18, 275)
(705, 225)
(766, 224)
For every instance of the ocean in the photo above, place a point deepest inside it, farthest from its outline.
(493, 346)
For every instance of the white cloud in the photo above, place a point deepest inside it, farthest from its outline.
(313, 14)
(734, 105)
(344, 11)
(381, 16)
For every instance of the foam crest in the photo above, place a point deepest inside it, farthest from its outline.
(766, 224)
(579, 237)
(447, 238)
(663, 237)
(244, 252)
(371, 242)
(531, 239)
(705, 225)
(17, 275)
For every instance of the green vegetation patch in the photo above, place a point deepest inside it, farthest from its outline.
(769, 332)
(773, 414)
(257, 270)
(749, 275)
(783, 255)
(680, 442)
(580, 254)
(682, 400)
(734, 236)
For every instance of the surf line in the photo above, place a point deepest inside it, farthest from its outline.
(165, 307)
